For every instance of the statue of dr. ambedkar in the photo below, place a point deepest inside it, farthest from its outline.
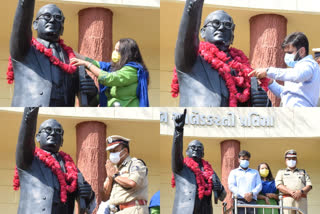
(193, 177)
(40, 67)
(210, 73)
(49, 180)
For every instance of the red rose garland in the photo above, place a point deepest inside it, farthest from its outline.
(203, 178)
(223, 64)
(68, 181)
(68, 68)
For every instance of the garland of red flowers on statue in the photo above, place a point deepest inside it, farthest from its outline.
(203, 178)
(68, 181)
(222, 63)
(68, 68)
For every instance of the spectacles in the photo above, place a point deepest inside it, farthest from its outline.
(216, 24)
(48, 17)
(196, 147)
(49, 130)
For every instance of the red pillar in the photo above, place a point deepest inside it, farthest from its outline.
(95, 33)
(267, 32)
(229, 160)
(91, 154)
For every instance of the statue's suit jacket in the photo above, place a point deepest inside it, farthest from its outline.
(202, 86)
(40, 190)
(33, 81)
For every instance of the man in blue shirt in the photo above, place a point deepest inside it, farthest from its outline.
(302, 81)
(245, 183)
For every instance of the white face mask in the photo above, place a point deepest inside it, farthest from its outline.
(115, 157)
(289, 59)
(244, 163)
(291, 163)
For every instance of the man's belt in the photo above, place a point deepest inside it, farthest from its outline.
(132, 204)
(302, 196)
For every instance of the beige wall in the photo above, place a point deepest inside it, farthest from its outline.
(170, 16)
(146, 140)
(137, 22)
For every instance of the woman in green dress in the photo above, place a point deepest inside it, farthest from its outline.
(269, 193)
(122, 82)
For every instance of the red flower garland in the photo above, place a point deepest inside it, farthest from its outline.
(223, 64)
(203, 178)
(68, 68)
(68, 181)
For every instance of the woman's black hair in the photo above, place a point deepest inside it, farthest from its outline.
(269, 177)
(129, 52)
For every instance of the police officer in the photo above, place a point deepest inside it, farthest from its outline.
(126, 185)
(294, 184)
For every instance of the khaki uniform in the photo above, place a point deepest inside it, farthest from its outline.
(294, 180)
(135, 170)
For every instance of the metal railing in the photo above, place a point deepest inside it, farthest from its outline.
(280, 207)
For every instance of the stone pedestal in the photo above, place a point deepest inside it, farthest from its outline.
(91, 154)
(267, 32)
(229, 160)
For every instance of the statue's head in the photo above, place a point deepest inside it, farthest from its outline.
(195, 150)
(49, 23)
(218, 28)
(50, 136)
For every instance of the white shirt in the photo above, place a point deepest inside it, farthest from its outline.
(302, 83)
(242, 181)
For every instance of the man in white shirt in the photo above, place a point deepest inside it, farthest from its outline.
(245, 183)
(302, 81)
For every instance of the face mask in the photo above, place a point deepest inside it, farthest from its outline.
(291, 163)
(115, 157)
(244, 163)
(291, 59)
(115, 56)
(264, 173)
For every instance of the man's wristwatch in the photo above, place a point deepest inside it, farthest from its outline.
(302, 191)
(115, 175)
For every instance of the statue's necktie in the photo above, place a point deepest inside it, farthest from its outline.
(55, 50)
(56, 74)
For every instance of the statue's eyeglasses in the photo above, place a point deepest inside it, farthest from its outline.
(216, 24)
(196, 147)
(48, 17)
(49, 130)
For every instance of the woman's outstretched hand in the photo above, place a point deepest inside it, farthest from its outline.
(79, 62)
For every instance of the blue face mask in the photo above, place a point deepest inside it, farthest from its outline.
(289, 59)
(244, 164)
